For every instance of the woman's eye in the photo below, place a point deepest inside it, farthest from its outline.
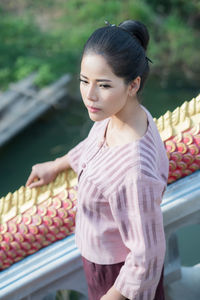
(83, 81)
(105, 86)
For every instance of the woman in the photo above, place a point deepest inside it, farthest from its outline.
(122, 170)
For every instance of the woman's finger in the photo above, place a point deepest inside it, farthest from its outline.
(36, 183)
(31, 178)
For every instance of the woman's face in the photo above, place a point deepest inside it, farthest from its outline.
(103, 93)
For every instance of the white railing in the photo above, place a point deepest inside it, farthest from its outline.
(59, 266)
(181, 207)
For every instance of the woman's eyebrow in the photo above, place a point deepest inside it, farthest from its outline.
(98, 80)
(105, 80)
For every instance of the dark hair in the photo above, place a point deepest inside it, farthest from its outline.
(123, 47)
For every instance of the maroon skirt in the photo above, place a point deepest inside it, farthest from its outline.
(100, 278)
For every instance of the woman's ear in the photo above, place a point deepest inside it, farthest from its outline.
(134, 86)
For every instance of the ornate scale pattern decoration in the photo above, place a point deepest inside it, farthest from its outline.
(180, 132)
(31, 219)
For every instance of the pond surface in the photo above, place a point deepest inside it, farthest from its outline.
(62, 128)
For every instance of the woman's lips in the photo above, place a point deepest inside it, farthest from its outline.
(93, 109)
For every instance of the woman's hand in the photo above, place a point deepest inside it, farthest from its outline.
(112, 294)
(42, 174)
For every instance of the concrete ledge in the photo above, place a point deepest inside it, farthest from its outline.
(180, 207)
(187, 288)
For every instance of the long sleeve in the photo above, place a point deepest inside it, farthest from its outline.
(136, 210)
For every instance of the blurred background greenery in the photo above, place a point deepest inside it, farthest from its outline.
(47, 37)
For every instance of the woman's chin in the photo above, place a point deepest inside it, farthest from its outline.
(96, 117)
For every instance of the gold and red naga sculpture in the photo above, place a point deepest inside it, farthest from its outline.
(31, 219)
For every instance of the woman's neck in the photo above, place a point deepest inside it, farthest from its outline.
(125, 128)
(130, 116)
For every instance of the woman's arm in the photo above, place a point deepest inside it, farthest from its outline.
(113, 294)
(62, 163)
(46, 172)
(137, 212)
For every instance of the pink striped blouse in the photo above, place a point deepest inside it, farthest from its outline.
(118, 212)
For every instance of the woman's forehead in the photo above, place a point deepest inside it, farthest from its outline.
(95, 66)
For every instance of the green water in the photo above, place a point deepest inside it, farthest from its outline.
(61, 129)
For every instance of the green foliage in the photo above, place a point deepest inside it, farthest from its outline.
(48, 36)
(67, 295)
(175, 49)
(22, 48)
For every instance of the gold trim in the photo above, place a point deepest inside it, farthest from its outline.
(181, 119)
(24, 198)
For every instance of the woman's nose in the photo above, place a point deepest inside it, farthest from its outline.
(91, 94)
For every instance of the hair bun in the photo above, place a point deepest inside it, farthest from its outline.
(138, 30)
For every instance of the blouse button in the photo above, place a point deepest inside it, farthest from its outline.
(100, 143)
(83, 165)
